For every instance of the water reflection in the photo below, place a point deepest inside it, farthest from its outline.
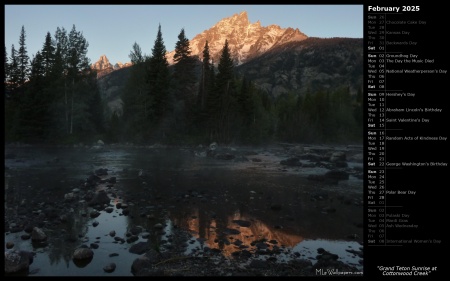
(231, 236)
(222, 207)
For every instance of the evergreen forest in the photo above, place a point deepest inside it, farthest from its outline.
(53, 98)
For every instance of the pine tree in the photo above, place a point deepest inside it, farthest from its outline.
(135, 97)
(78, 68)
(206, 77)
(23, 59)
(6, 68)
(183, 84)
(182, 48)
(158, 79)
(184, 68)
(77, 53)
(224, 97)
(60, 83)
(9, 105)
(62, 46)
(225, 68)
(34, 103)
(13, 99)
(57, 70)
(246, 109)
(37, 67)
(59, 76)
(72, 84)
(48, 54)
(136, 55)
(205, 102)
(14, 71)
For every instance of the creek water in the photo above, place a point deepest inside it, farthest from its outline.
(220, 204)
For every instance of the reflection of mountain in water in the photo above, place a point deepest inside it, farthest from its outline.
(237, 233)
(226, 204)
(243, 232)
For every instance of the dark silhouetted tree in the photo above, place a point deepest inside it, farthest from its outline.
(23, 59)
(245, 110)
(136, 98)
(6, 68)
(184, 68)
(78, 69)
(183, 84)
(136, 56)
(224, 97)
(61, 42)
(12, 98)
(207, 78)
(48, 54)
(34, 104)
(158, 79)
(14, 71)
(205, 103)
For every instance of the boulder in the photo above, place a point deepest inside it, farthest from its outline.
(140, 264)
(38, 235)
(17, 261)
(109, 267)
(139, 248)
(83, 254)
(100, 198)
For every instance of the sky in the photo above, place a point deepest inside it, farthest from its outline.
(112, 30)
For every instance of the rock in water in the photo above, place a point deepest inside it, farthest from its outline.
(38, 235)
(83, 254)
(17, 261)
(110, 267)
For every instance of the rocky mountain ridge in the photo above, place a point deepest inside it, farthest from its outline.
(103, 66)
(246, 40)
(278, 60)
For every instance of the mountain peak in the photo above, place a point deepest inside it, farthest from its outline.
(243, 15)
(236, 19)
(102, 64)
(245, 40)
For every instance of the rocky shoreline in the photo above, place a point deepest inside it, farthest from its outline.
(170, 250)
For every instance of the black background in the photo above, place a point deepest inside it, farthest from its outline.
(429, 207)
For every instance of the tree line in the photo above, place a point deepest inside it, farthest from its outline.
(52, 97)
(55, 98)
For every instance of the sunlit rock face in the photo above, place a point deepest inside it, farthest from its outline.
(120, 65)
(277, 60)
(102, 64)
(245, 40)
(104, 67)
